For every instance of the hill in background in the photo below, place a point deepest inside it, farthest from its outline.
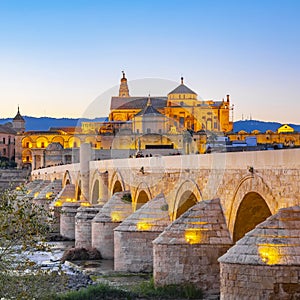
(250, 125)
(44, 123)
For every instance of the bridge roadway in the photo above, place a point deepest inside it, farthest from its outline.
(250, 185)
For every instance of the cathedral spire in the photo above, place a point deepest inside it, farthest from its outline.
(18, 122)
(123, 91)
(149, 101)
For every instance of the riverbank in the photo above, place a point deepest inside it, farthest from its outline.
(49, 278)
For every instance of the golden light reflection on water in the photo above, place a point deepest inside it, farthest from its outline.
(36, 194)
(270, 254)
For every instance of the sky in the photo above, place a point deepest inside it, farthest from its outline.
(58, 56)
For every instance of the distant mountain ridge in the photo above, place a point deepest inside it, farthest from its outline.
(44, 123)
(250, 125)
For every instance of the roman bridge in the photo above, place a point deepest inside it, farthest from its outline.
(251, 186)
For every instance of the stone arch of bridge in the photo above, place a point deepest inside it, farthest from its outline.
(78, 187)
(116, 183)
(252, 194)
(141, 196)
(252, 211)
(67, 179)
(95, 187)
(95, 192)
(187, 195)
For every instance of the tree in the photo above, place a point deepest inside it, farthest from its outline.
(22, 228)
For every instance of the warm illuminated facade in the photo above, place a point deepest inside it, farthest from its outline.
(181, 106)
(177, 123)
(285, 137)
(53, 147)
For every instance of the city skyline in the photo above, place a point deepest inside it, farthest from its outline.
(58, 57)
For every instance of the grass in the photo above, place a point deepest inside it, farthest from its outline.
(145, 290)
(174, 291)
(127, 197)
(45, 286)
(96, 292)
(31, 286)
(122, 275)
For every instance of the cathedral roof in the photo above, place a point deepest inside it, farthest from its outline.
(137, 102)
(149, 110)
(182, 89)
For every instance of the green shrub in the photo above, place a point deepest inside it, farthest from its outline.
(31, 286)
(174, 291)
(127, 197)
(96, 292)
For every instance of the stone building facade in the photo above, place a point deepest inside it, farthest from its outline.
(8, 133)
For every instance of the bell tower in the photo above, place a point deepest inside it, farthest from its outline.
(123, 91)
(18, 122)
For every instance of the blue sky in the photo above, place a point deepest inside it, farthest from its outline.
(57, 56)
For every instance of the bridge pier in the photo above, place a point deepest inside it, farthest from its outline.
(47, 194)
(265, 263)
(104, 223)
(66, 193)
(67, 219)
(83, 226)
(133, 249)
(187, 251)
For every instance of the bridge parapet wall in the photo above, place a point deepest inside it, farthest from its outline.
(228, 176)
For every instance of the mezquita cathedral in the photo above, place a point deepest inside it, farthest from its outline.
(178, 123)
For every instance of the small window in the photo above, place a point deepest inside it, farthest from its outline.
(27, 144)
(42, 145)
(3, 140)
(148, 130)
